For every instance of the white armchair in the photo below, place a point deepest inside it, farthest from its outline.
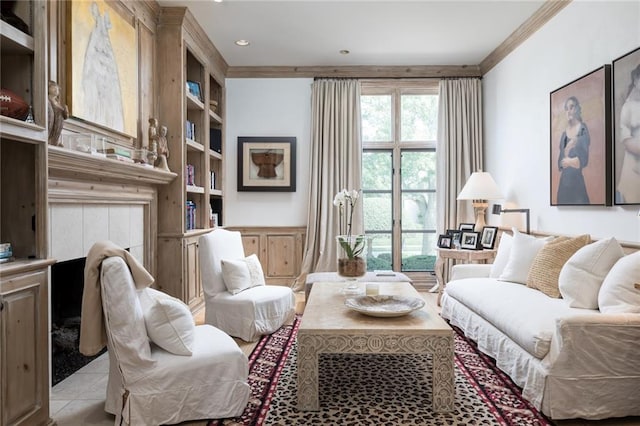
(249, 313)
(149, 385)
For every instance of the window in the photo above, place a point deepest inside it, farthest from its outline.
(399, 126)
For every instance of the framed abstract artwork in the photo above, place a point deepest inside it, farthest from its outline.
(103, 77)
(267, 164)
(626, 128)
(580, 140)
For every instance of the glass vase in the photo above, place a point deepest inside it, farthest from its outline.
(351, 260)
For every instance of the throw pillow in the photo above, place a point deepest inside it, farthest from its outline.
(242, 274)
(549, 261)
(169, 322)
(581, 277)
(235, 274)
(619, 293)
(255, 270)
(502, 256)
(524, 249)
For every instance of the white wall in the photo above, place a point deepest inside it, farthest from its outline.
(267, 107)
(582, 37)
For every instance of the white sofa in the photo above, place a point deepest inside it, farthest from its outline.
(570, 362)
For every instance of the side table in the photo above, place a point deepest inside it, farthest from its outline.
(467, 256)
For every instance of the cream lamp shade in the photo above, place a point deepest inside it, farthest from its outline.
(480, 187)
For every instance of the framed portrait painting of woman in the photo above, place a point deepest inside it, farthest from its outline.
(626, 128)
(580, 135)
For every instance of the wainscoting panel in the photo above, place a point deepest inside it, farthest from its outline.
(279, 249)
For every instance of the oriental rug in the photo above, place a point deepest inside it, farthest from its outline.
(377, 389)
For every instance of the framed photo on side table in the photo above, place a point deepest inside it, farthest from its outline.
(469, 240)
(466, 227)
(455, 237)
(444, 241)
(488, 237)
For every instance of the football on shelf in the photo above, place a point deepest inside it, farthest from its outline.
(13, 105)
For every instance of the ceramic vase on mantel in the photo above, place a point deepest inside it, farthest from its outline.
(352, 259)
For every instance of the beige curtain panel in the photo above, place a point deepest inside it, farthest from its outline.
(460, 150)
(336, 151)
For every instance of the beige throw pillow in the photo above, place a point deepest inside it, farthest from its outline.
(549, 261)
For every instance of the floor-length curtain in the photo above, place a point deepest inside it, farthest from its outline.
(460, 147)
(336, 164)
(460, 150)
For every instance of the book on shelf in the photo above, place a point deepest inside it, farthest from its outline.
(124, 152)
(120, 158)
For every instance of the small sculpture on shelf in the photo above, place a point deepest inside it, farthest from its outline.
(148, 148)
(57, 112)
(163, 149)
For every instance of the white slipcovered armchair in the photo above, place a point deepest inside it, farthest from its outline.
(149, 385)
(249, 313)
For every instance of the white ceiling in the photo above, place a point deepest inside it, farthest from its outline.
(393, 32)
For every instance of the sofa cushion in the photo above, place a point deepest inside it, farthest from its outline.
(581, 277)
(526, 316)
(524, 249)
(547, 264)
(619, 293)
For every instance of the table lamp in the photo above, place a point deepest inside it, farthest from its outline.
(479, 188)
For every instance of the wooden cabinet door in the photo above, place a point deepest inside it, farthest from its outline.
(192, 273)
(24, 351)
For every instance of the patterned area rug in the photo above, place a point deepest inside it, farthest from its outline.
(377, 389)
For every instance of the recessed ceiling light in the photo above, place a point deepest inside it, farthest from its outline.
(344, 52)
(242, 42)
(218, 1)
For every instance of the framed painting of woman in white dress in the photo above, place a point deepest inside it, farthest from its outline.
(626, 127)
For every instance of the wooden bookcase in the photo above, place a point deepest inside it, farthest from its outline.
(24, 328)
(190, 80)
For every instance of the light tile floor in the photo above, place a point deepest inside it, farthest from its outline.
(79, 399)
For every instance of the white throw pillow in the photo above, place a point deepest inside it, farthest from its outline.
(581, 277)
(618, 293)
(169, 322)
(502, 257)
(242, 274)
(524, 249)
(255, 270)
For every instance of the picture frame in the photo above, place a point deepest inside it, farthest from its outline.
(626, 170)
(266, 164)
(445, 241)
(102, 77)
(469, 240)
(195, 89)
(455, 237)
(488, 237)
(466, 226)
(580, 141)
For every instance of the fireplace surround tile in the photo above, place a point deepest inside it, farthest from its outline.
(66, 232)
(95, 225)
(119, 225)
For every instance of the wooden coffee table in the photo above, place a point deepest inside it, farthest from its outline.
(328, 326)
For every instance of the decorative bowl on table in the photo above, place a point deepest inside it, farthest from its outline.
(384, 305)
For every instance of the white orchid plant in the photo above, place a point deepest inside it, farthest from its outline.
(346, 202)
